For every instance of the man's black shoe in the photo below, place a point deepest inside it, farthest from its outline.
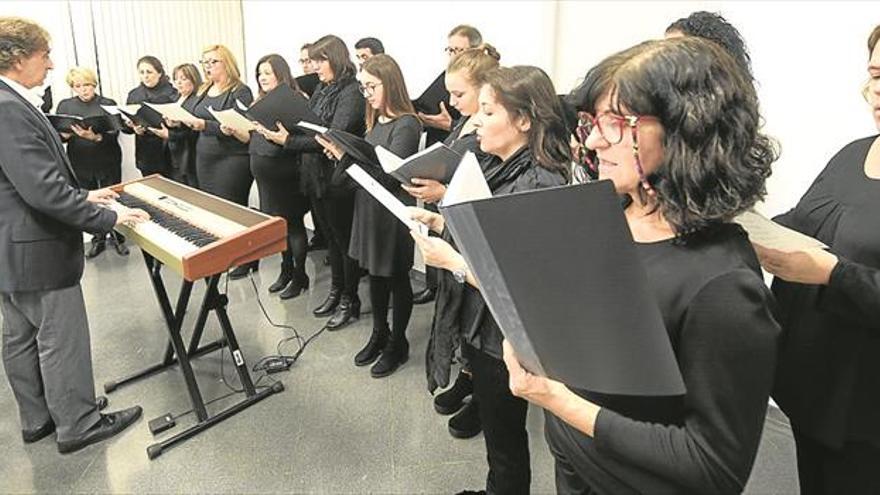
(96, 249)
(31, 436)
(108, 426)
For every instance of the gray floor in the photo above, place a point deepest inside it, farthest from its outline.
(333, 430)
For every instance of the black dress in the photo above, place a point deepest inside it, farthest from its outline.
(222, 162)
(379, 241)
(717, 311)
(461, 317)
(182, 148)
(150, 152)
(96, 164)
(828, 380)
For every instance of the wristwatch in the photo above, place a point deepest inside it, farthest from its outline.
(460, 274)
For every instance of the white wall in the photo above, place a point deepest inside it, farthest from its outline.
(414, 33)
(808, 57)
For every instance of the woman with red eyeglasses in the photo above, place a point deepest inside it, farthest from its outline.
(674, 124)
(828, 381)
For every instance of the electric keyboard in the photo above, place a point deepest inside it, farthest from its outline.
(195, 233)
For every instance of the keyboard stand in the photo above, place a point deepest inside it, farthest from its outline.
(177, 354)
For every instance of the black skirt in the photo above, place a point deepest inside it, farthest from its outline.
(379, 241)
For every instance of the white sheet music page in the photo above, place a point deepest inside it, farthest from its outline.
(769, 234)
(383, 196)
(467, 184)
(231, 118)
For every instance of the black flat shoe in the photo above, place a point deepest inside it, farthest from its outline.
(284, 278)
(348, 311)
(121, 249)
(31, 436)
(297, 286)
(108, 426)
(451, 400)
(424, 296)
(241, 271)
(466, 424)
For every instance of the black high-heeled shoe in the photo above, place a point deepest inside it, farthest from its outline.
(330, 303)
(348, 311)
(297, 286)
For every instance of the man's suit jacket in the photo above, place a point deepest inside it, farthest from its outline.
(43, 212)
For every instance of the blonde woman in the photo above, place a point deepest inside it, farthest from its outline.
(222, 159)
(95, 156)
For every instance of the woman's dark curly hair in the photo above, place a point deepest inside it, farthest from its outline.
(714, 27)
(715, 159)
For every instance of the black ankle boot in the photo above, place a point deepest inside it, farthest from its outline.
(284, 278)
(466, 424)
(395, 353)
(349, 310)
(297, 286)
(374, 347)
(241, 271)
(452, 400)
(329, 305)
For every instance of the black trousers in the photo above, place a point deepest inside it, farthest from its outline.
(852, 470)
(335, 214)
(566, 460)
(503, 417)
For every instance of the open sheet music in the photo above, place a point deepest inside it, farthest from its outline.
(384, 197)
(769, 234)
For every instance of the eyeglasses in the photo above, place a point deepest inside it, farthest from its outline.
(210, 62)
(369, 89)
(611, 127)
(304, 61)
(451, 50)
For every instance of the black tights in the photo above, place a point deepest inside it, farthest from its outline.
(381, 289)
(297, 241)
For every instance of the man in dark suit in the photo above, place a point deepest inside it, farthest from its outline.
(43, 212)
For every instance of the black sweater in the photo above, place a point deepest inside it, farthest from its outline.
(149, 149)
(828, 382)
(211, 140)
(339, 105)
(717, 311)
(89, 159)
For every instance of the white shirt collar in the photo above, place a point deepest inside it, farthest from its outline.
(31, 96)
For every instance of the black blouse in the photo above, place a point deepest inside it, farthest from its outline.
(718, 314)
(212, 141)
(89, 158)
(828, 381)
(182, 143)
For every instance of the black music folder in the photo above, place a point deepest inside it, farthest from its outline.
(308, 83)
(429, 101)
(144, 117)
(357, 147)
(284, 105)
(559, 271)
(97, 123)
(437, 162)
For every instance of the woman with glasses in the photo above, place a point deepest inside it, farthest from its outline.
(339, 105)
(150, 152)
(95, 156)
(465, 75)
(222, 159)
(379, 241)
(520, 122)
(684, 147)
(277, 174)
(828, 380)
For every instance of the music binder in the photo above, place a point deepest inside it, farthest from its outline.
(233, 119)
(308, 83)
(429, 101)
(356, 147)
(141, 115)
(437, 162)
(284, 105)
(559, 271)
(173, 111)
(97, 123)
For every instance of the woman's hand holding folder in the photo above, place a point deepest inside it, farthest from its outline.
(434, 221)
(278, 137)
(428, 190)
